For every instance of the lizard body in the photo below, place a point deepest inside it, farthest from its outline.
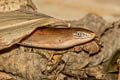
(58, 38)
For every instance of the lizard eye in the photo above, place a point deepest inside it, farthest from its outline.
(81, 35)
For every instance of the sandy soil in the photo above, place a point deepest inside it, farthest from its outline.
(75, 9)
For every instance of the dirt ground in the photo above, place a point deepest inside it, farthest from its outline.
(75, 9)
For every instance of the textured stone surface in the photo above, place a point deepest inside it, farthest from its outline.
(27, 63)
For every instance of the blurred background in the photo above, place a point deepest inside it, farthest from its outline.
(76, 9)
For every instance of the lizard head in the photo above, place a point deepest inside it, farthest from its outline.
(83, 35)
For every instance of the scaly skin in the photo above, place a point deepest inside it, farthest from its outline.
(58, 38)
